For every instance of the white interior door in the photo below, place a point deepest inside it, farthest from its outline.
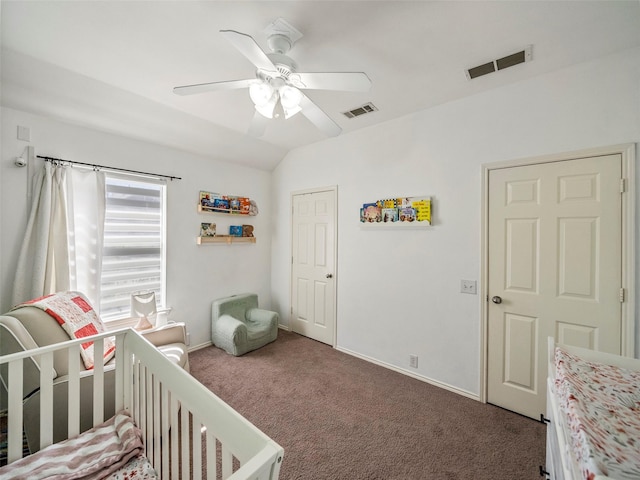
(555, 263)
(313, 265)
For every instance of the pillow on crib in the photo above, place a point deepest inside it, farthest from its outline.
(77, 317)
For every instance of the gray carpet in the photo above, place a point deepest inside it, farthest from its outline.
(339, 417)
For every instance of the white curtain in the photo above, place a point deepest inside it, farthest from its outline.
(62, 247)
(86, 208)
(45, 238)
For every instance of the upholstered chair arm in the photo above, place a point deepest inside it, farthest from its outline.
(15, 338)
(262, 316)
(227, 323)
(166, 334)
(229, 332)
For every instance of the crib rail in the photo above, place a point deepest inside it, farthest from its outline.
(188, 432)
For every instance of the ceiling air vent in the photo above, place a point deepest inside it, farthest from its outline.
(517, 58)
(356, 112)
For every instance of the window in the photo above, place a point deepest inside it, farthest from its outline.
(134, 239)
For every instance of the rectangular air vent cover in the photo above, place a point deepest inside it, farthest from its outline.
(517, 58)
(356, 112)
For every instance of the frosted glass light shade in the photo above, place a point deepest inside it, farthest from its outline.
(260, 93)
(290, 97)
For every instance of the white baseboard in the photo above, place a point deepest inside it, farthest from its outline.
(403, 371)
(422, 378)
(208, 344)
(198, 347)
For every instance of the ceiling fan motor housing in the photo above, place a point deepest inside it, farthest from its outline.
(285, 65)
(279, 43)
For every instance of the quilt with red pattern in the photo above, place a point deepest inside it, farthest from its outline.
(77, 317)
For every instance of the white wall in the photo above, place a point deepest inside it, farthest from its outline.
(196, 275)
(399, 291)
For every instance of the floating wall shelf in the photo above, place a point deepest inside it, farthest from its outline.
(226, 239)
(223, 211)
(397, 213)
(395, 225)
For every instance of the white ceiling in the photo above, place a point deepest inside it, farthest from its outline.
(111, 65)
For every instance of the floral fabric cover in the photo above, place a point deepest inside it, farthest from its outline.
(138, 468)
(601, 404)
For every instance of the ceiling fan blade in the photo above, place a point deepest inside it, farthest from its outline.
(258, 125)
(345, 81)
(318, 117)
(250, 49)
(210, 87)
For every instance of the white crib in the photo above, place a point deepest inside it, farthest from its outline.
(171, 408)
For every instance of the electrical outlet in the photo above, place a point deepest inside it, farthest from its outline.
(413, 361)
(188, 339)
(468, 286)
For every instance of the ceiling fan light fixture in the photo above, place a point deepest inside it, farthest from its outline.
(275, 89)
(261, 93)
(267, 109)
(290, 97)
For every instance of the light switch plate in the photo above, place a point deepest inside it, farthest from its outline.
(24, 133)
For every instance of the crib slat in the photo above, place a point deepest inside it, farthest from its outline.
(98, 382)
(227, 462)
(123, 395)
(196, 442)
(157, 452)
(14, 418)
(184, 438)
(138, 399)
(144, 407)
(46, 399)
(164, 421)
(212, 465)
(148, 406)
(175, 451)
(73, 408)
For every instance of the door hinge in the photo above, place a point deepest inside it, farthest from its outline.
(621, 295)
(623, 185)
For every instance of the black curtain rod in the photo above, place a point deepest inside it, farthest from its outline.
(72, 162)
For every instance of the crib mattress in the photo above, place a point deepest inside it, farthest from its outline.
(601, 405)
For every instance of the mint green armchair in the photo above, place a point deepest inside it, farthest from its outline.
(238, 326)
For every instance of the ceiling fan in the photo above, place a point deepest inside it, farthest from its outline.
(277, 86)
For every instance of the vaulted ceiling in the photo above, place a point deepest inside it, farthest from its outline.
(112, 65)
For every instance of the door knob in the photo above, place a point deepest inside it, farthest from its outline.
(329, 275)
(496, 299)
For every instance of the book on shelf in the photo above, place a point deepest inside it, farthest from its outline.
(207, 229)
(389, 215)
(206, 199)
(370, 213)
(407, 214)
(422, 206)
